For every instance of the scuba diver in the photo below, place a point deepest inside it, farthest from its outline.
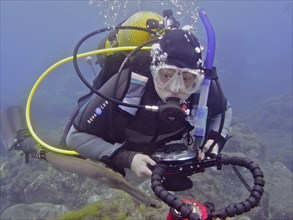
(170, 76)
(140, 115)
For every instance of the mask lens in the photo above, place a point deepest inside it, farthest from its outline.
(191, 79)
(178, 79)
(188, 79)
(166, 74)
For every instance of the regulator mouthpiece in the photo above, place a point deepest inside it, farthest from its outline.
(171, 112)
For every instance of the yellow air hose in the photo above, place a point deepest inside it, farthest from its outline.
(41, 78)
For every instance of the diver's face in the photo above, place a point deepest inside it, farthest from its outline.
(171, 81)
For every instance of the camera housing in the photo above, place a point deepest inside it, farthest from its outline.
(176, 159)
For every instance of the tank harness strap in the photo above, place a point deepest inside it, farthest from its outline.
(212, 73)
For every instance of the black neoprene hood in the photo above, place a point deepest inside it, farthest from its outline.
(182, 48)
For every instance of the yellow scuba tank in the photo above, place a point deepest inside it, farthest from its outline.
(129, 37)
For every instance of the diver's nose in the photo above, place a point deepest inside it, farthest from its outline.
(175, 86)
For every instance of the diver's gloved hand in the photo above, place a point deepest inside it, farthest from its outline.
(208, 151)
(140, 164)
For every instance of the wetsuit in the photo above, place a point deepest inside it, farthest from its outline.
(113, 134)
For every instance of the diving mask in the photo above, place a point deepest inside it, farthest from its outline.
(177, 80)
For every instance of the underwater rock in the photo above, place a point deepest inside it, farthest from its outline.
(246, 142)
(273, 121)
(274, 114)
(36, 211)
(279, 190)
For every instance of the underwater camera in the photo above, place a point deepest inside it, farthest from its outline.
(179, 163)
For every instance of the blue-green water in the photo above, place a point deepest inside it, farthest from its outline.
(253, 57)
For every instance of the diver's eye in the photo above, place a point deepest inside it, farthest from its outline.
(188, 79)
(166, 74)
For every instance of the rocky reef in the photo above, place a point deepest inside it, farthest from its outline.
(273, 115)
(273, 121)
